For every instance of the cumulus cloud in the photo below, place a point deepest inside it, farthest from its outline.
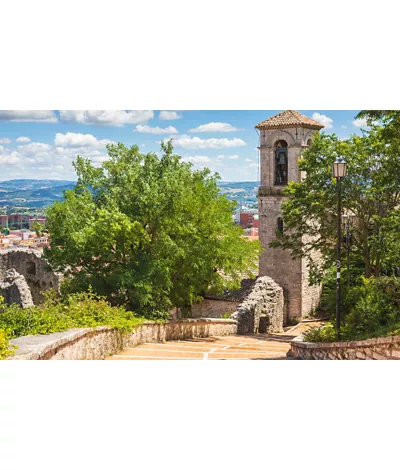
(46, 161)
(197, 159)
(188, 142)
(228, 157)
(248, 160)
(145, 129)
(23, 139)
(360, 123)
(324, 120)
(28, 116)
(215, 127)
(5, 140)
(71, 139)
(106, 118)
(169, 115)
(33, 148)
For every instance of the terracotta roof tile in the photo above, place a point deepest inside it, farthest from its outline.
(289, 119)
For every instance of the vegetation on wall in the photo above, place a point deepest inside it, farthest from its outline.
(147, 232)
(80, 310)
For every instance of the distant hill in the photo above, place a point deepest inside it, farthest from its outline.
(32, 194)
(38, 194)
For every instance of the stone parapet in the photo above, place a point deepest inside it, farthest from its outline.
(97, 343)
(387, 348)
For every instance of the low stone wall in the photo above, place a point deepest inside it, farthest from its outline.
(97, 343)
(375, 349)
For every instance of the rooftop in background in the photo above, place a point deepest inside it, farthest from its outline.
(289, 119)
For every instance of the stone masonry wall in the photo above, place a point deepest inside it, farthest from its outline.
(97, 343)
(262, 310)
(33, 267)
(209, 308)
(15, 290)
(292, 275)
(372, 349)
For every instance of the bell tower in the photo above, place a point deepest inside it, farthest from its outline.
(282, 139)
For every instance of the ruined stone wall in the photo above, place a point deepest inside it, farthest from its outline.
(33, 267)
(371, 349)
(15, 290)
(209, 308)
(262, 310)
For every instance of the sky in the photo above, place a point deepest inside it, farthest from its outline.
(43, 144)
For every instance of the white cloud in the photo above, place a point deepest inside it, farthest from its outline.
(188, 142)
(360, 123)
(324, 120)
(5, 140)
(71, 139)
(28, 116)
(252, 165)
(145, 129)
(229, 157)
(33, 148)
(106, 118)
(249, 160)
(23, 139)
(45, 161)
(215, 127)
(169, 116)
(197, 159)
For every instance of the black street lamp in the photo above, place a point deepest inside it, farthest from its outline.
(338, 172)
(348, 239)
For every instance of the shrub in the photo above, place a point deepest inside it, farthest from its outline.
(5, 351)
(374, 311)
(75, 311)
(378, 306)
(320, 334)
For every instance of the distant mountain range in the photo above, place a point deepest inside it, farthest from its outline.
(39, 194)
(32, 194)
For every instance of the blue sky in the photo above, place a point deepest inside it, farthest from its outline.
(43, 144)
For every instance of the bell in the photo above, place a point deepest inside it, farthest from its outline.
(281, 159)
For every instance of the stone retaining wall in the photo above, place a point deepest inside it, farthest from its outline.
(97, 343)
(375, 349)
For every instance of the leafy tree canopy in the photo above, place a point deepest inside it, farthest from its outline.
(147, 232)
(371, 191)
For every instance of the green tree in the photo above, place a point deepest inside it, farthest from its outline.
(147, 232)
(371, 190)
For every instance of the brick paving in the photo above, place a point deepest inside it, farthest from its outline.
(245, 347)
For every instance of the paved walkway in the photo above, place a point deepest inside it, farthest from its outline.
(270, 347)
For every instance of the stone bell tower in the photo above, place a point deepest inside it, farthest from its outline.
(282, 139)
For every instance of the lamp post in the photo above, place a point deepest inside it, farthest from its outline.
(348, 239)
(338, 172)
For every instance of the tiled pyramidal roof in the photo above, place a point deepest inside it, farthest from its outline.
(288, 119)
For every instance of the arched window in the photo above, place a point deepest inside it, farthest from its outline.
(281, 163)
(280, 225)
